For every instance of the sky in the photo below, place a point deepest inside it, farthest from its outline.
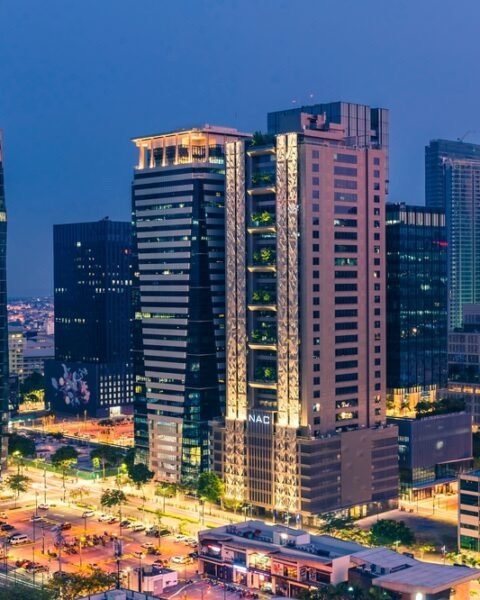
(80, 78)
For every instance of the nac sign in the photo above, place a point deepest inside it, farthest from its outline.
(257, 418)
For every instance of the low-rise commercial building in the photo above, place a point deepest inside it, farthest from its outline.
(433, 450)
(287, 562)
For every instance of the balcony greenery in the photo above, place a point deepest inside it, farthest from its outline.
(262, 178)
(264, 256)
(261, 139)
(262, 219)
(265, 335)
(263, 297)
(264, 373)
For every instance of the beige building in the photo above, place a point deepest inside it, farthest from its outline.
(305, 429)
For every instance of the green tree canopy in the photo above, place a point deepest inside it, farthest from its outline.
(387, 532)
(32, 383)
(71, 586)
(18, 483)
(139, 474)
(112, 498)
(20, 592)
(65, 454)
(22, 444)
(210, 487)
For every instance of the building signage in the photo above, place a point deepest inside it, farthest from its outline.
(257, 418)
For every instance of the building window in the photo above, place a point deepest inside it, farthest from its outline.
(316, 287)
(315, 167)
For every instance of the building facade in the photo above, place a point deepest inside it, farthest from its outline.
(464, 361)
(179, 297)
(92, 371)
(16, 344)
(305, 428)
(469, 511)
(417, 298)
(4, 383)
(452, 177)
(432, 451)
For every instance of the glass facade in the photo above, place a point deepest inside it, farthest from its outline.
(416, 297)
(4, 387)
(93, 308)
(452, 176)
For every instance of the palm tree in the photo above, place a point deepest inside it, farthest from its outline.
(112, 498)
(165, 490)
(18, 484)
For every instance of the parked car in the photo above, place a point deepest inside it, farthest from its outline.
(7, 527)
(147, 545)
(36, 518)
(88, 513)
(138, 527)
(103, 517)
(126, 523)
(112, 520)
(64, 526)
(139, 554)
(43, 506)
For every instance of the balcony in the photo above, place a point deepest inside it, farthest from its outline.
(262, 182)
(263, 222)
(265, 378)
(263, 300)
(263, 260)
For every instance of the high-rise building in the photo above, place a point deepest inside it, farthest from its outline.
(417, 295)
(4, 384)
(92, 371)
(16, 344)
(179, 297)
(452, 178)
(305, 428)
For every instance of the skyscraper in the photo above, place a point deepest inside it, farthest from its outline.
(452, 178)
(179, 338)
(416, 303)
(92, 371)
(305, 421)
(4, 386)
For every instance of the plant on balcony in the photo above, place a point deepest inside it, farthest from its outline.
(262, 297)
(264, 256)
(262, 219)
(264, 335)
(261, 139)
(265, 373)
(260, 178)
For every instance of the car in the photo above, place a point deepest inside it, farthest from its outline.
(147, 545)
(88, 513)
(177, 559)
(3, 515)
(64, 526)
(7, 527)
(103, 517)
(193, 554)
(112, 520)
(138, 527)
(139, 554)
(36, 518)
(43, 506)
(180, 538)
(21, 562)
(126, 523)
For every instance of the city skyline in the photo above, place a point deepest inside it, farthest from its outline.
(85, 137)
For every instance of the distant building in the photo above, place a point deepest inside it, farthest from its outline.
(288, 562)
(452, 184)
(92, 371)
(36, 351)
(16, 344)
(464, 361)
(4, 382)
(179, 297)
(469, 511)
(433, 450)
(305, 428)
(417, 298)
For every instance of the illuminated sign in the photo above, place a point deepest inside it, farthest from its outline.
(264, 419)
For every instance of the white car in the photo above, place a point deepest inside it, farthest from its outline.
(104, 517)
(177, 559)
(138, 527)
(180, 538)
(88, 513)
(42, 506)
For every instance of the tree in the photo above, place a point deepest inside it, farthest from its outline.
(19, 484)
(64, 458)
(334, 522)
(209, 487)
(79, 493)
(107, 455)
(22, 444)
(18, 591)
(165, 490)
(113, 498)
(139, 475)
(387, 532)
(70, 586)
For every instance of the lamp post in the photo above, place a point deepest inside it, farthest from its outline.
(45, 483)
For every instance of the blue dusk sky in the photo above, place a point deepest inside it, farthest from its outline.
(79, 78)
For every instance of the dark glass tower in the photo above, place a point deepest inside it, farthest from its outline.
(179, 295)
(4, 390)
(93, 314)
(416, 301)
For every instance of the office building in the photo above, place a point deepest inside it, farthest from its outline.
(179, 297)
(4, 383)
(417, 296)
(432, 451)
(288, 562)
(452, 178)
(15, 349)
(464, 361)
(92, 371)
(469, 511)
(305, 428)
